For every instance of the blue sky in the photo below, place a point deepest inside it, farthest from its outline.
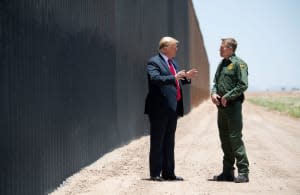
(268, 36)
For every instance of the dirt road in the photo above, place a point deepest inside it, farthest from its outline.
(272, 141)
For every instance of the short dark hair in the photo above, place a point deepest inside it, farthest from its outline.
(230, 42)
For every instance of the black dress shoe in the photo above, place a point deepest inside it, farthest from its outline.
(156, 178)
(241, 179)
(224, 176)
(173, 178)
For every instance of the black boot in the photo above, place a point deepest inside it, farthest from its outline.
(241, 178)
(224, 176)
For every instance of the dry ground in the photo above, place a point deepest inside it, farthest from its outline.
(272, 141)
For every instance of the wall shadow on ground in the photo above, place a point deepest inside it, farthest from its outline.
(73, 81)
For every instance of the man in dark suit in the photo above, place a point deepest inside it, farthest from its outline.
(164, 103)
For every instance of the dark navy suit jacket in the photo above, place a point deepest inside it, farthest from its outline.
(162, 87)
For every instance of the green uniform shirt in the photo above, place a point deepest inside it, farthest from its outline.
(231, 78)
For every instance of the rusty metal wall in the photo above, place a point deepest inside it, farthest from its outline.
(198, 59)
(73, 81)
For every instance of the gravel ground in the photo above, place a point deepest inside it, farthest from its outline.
(272, 141)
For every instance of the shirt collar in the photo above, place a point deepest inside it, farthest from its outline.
(165, 57)
(231, 57)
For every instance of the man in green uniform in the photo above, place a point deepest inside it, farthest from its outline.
(231, 80)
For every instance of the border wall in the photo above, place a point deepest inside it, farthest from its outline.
(73, 81)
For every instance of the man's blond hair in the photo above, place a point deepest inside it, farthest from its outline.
(166, 41)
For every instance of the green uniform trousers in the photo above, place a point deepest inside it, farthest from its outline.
(230, 126)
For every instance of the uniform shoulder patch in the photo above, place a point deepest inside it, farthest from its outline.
(243, 65)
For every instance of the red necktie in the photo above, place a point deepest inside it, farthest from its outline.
(172, 69)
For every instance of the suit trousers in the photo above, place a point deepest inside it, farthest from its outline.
(230, 131)
(162, 142)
